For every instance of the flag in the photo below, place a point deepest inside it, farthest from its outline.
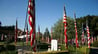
(51, 33)
(82, 35)
(31, 13)
(92, 39)
(88, 33)
(76, 33)
(16, 32)
(39, 29)
(65, 27)
(27, 34)
(2, 37)
(38, 32)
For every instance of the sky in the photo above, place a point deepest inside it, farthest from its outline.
(48, 12)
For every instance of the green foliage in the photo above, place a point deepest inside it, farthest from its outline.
(10, 47)
(58, 29)
(46, 33)
(92, 23)
(39, 36)
(8, 52)
(95, 43)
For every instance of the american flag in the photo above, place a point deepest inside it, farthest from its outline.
(88, 33)
(16, 32)
(76, 33)
(31, 12)
(65, 27)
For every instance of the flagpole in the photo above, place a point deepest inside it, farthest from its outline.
(88, 33)
(65, 28)
(31, 13)
(76, 32)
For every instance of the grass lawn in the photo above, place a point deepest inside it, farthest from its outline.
(71, 49)
(8, 52)
(80, 50)
(1, 43)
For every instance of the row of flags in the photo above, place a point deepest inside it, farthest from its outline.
(31, 18)
(76, 34)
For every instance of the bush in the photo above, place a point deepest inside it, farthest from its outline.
(10, 47)
(95, 43)
(2, 48)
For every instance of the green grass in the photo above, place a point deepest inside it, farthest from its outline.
(71, 49)
(80, 50)
(8, 52)
(1, 43)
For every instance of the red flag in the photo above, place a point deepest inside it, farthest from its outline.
(88, 33)
(31, 12)
(65, 27)
(16, 33)
(76, 31)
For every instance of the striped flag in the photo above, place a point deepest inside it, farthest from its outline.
(76, 33)
(65, 27)
(31, 12)
(88, 33)
(82, 35)
(16, 32)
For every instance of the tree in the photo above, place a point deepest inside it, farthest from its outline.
(39, 36)
(47, 34)
(58, 29)
(92, 23)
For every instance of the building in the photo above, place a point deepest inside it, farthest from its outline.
(8, 32)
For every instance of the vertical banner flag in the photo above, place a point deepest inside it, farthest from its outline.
(2, 37)
(16, 32)
(92, 39)
(65, 27)
(38, 32)
(31, 12)
(88, 33)
(26, 33)
(82, 35)
(76, 31)
(51, 33)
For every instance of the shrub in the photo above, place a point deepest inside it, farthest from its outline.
(95, 43)
(10, 47)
